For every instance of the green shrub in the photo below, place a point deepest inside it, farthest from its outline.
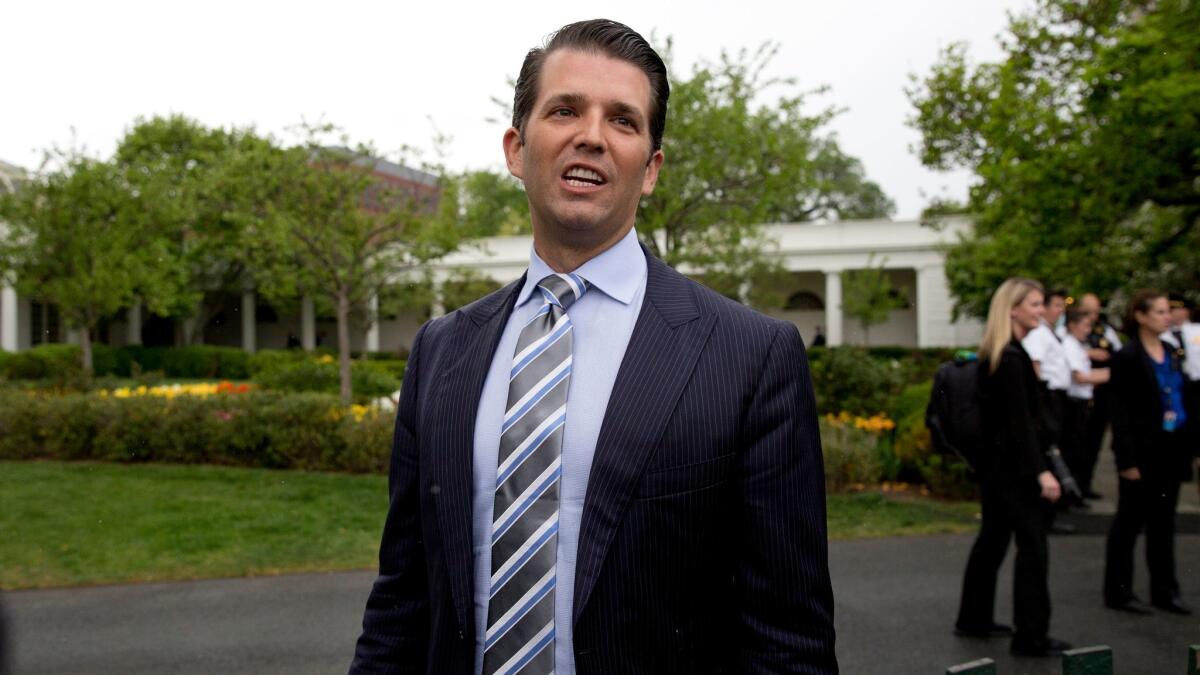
(369, 379)
(847, 378)
(5, 357)
(851, 456)
(45, 362)
(272, 359)
(261, 429)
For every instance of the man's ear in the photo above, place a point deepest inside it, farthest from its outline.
(651, 178)
(513, 153)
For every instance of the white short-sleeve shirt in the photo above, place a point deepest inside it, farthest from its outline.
(1043, 346)
(1078, 361)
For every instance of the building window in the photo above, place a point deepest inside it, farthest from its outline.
(43, 328)
(805, 300)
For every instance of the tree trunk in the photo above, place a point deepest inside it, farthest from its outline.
(343, 329)
(85, 346)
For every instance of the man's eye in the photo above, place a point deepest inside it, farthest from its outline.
(562, 112)
(624, 121)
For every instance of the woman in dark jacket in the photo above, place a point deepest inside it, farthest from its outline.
(1016, 484)
(1148, 421)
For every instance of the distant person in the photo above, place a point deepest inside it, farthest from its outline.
(1045, 349)
(1103, 342)
(1149, 426)
(819, 340)
(1016, 484)
(1084, 379)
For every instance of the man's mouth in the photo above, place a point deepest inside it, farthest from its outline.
(581, 177)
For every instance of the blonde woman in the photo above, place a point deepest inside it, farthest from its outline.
(1016, 484)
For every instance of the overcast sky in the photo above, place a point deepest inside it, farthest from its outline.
(389, 73)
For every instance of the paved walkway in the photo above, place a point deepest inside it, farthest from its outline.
(896, 600)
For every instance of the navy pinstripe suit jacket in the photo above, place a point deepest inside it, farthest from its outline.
(702, 546)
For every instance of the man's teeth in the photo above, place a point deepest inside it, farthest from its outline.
(579, 177)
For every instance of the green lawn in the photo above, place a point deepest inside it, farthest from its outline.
(85, 523)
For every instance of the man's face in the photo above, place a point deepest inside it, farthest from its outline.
(1054, 309)
(587, 141)
(1179, 316)
(1091, 304)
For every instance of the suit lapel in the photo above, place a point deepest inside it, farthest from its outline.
(474, 344)
(666, 341)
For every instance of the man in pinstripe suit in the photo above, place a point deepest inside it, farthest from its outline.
(603, 467)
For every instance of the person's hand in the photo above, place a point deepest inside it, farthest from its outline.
(1051, 490)
(1131, 473)
(1097, 354)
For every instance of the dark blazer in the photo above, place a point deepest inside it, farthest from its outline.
(1009, 410)
(702, 542)
(1137, 417)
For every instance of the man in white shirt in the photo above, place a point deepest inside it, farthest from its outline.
(1079, 399)
(1184, 336)
(1050, 362)
(1103, 342)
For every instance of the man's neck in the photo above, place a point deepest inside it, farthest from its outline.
(568, 256)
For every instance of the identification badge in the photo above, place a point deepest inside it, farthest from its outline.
(1169, 421)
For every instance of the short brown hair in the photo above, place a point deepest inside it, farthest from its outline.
(611, 39)
(1140, 302)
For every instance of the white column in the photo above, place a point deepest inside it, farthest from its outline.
(439, 304)
(833, 308)
(935, 324)
(308, 324)
(8, 319)
(189, 325)
(249, 322)
(133, 324)
(374, 318)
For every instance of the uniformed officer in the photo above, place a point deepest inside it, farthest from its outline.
(1050, 362)
(1103, 342)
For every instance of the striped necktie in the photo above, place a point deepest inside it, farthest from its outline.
(520, 624)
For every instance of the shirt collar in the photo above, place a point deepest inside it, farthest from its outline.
(617, 272)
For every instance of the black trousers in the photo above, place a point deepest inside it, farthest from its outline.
(1148, 503)
(1093, 437)
(1072, 441)
(1009, 513)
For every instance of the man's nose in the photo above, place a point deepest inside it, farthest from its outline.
(590, 133)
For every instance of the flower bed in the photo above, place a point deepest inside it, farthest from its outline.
(212, 425)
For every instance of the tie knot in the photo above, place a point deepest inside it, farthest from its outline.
(562, 290)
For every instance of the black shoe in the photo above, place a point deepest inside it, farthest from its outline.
(994, 631)
(1174, 605)
(1059, 527)
(1046, 646)
(1132, 604)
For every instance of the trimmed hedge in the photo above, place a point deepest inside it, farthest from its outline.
(260, 429)
(369, 379)
(62, 362)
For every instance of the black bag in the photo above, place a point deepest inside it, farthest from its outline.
(953, 416)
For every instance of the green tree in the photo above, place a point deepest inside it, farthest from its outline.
(79, 238)
(205, 190)
(343, 231)
(1085, 145)
(491, 204)
(868, 295)
(737, 157)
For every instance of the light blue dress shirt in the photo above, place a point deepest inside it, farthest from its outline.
(602, 321)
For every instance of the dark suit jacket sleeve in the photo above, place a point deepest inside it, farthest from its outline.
(1122, 387)
(395, 633)
(783, 573)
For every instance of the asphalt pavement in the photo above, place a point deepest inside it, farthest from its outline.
(896, 600)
